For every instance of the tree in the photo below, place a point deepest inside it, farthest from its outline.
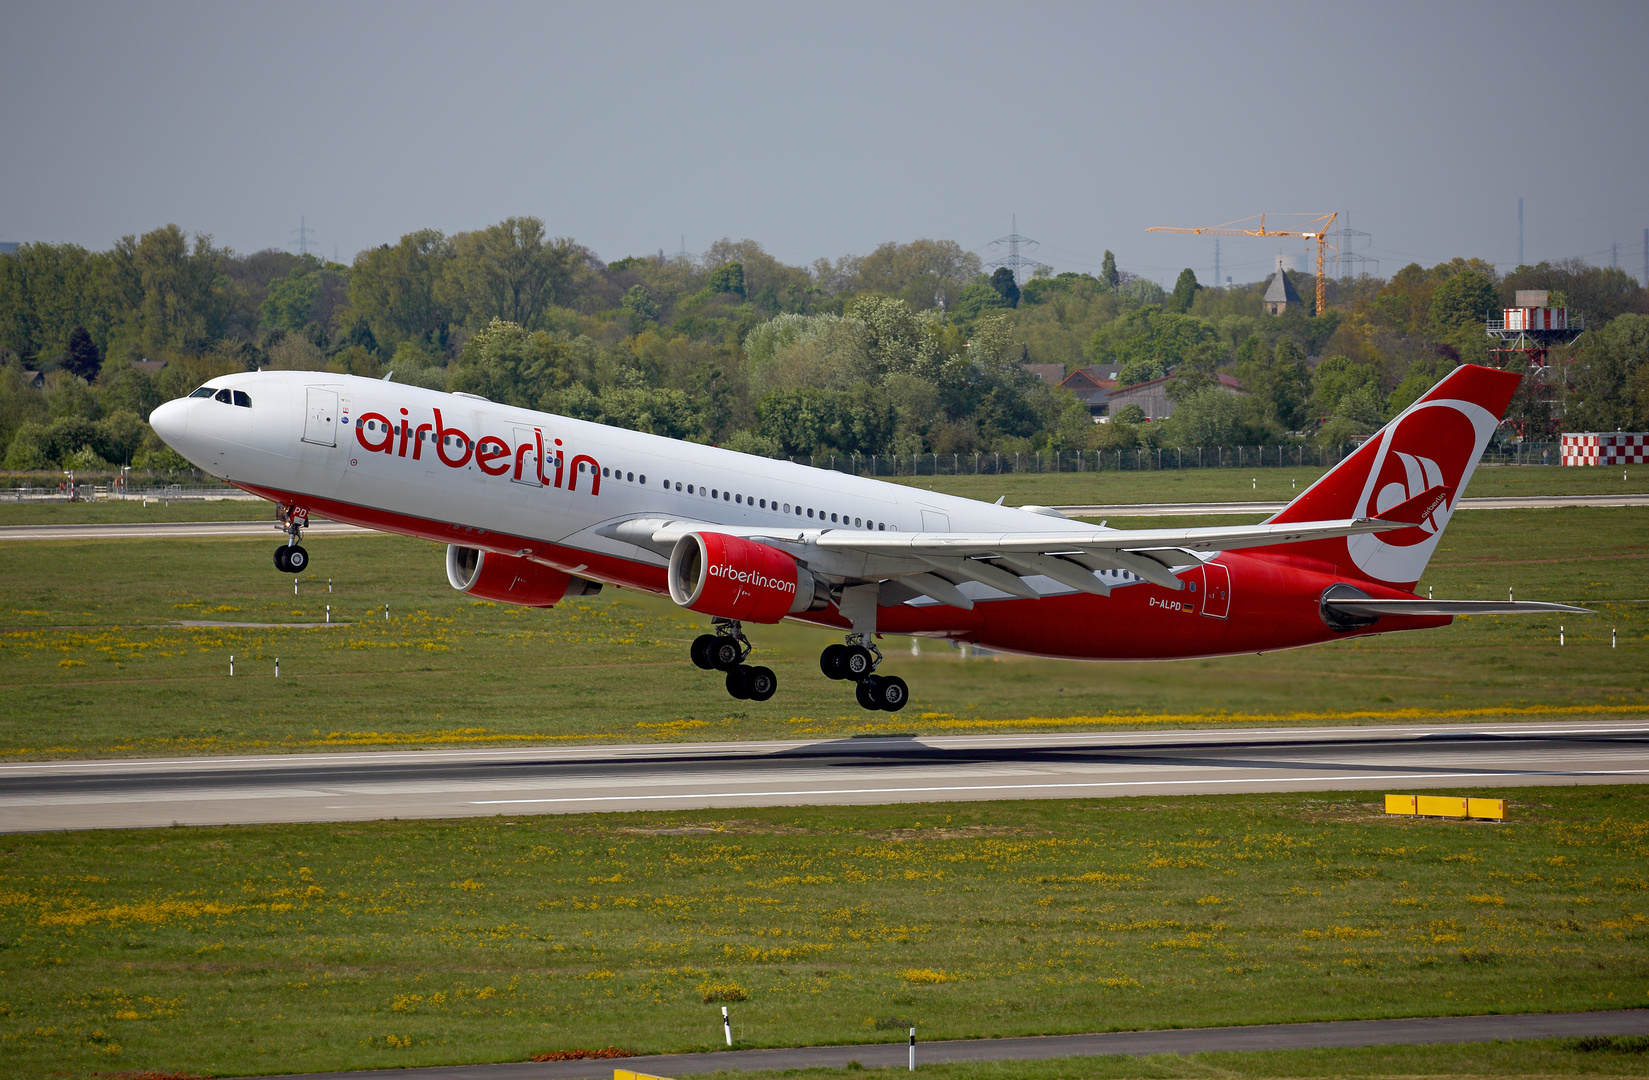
(1002, 281)
(173, 292)
(1147, 342)
(638, 304)
(1461, 300)
(509, 271)
(922, 273)
(1280, 383)
(727, 279)
(395, 290)
(81, 357)
(1611, 377)
(511, 365)
(1185, 291)
(1108, 272)
(290, 302)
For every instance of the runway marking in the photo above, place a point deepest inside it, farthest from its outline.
(810, 792)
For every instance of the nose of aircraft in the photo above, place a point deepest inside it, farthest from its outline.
(170, 421)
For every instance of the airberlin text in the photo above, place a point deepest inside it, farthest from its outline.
(750, 577)
(491, 454)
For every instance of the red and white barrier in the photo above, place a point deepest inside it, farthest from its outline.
(1606, 448)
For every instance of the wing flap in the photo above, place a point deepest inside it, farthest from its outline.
(1452, 607)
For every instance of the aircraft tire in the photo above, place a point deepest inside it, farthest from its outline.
(892, 693)
(700, 651)
(280, 559)
(725, 654)
(738, 685)
(297, 559)
(868, 693)
(831, 661)
(761, 683)
(857, 662)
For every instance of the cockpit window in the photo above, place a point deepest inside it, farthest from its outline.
(242, 400)
(205, 391)
(225, 397)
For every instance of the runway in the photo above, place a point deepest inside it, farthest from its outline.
(157, 530)
(448, 783)
(1419, 1031)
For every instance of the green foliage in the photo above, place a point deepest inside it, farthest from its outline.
(1463, 299)
(1185, 292)
(511, 365)
(810, 421)
(290, 303)
(116, 438)
(638, 303)
(81, 356)
(1147, 342)
(509, 271)
(1280, 385)
(1611, 378)
(727, 279)
(922, 273)
(1108, 271)
(1212, 416)
(1002, 281)
(396, 290)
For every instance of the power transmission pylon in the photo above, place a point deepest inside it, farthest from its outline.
(1015, 261)
(303, 233)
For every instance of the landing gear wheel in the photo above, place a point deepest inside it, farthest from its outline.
(857, 663)
(892, 694)
(280, 559)
(738, 684)
(869, 693)
(760, 682)
(700, 651)
(833, 661)
(725, 653)
(297, 559)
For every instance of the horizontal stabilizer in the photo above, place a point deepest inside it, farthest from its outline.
(1359, 606)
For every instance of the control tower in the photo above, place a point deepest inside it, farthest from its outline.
(1530, 330)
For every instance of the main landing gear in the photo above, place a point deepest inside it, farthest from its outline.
(290, 557)
(726, 650)
(857, 660)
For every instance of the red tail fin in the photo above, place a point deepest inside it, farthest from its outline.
(1436, 442)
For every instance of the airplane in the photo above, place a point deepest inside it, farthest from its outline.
(536, 508)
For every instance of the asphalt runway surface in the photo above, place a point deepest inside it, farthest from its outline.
(448, 783)
(1328, 1035)
(156, 530)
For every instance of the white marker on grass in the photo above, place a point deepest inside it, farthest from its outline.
(912, 1049)
(727, 1025)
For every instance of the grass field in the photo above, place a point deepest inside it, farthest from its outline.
(295, 948)
(1062, 489)
(1545, 1058)
(93, 660)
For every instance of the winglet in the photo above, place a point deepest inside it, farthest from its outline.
(1416, 510)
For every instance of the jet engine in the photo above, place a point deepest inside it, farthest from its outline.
(736, 578)
(510, 579)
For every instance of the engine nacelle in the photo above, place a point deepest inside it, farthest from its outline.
(735, 578)
(510, 579)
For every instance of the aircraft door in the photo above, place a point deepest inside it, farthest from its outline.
(320, 417)
(935, 522)
(1216, 590)
(528, 473)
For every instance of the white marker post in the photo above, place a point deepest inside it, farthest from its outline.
(1611, 638)
(294, 586)
(727, 1025)
(231, 665)
(1560, 634)
(329, 613)
(386, 613)
(328, 584)
(277, 667)
(912, 1049)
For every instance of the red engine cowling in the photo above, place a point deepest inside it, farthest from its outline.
(739, 579)
(510, 579)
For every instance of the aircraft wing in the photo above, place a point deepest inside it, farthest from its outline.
(935, 563)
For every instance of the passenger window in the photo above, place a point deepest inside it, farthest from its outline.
(763, 504)
(740, 499)
(810, 511)
(630, 478)
(224, 396)
(857, 523)
(604, 472)
(242, 400)
(882, 527)
(833, 519)
(644, 480)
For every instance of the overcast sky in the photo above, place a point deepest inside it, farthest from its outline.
(824, 130)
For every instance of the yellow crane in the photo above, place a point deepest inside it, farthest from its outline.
(1315, 229)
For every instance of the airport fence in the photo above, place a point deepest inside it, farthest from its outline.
(1138, 459)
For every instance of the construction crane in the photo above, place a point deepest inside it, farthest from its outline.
(1315, 229)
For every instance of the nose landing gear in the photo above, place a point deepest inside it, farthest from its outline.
(290, 557)
(857, 660)
(726, 650)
